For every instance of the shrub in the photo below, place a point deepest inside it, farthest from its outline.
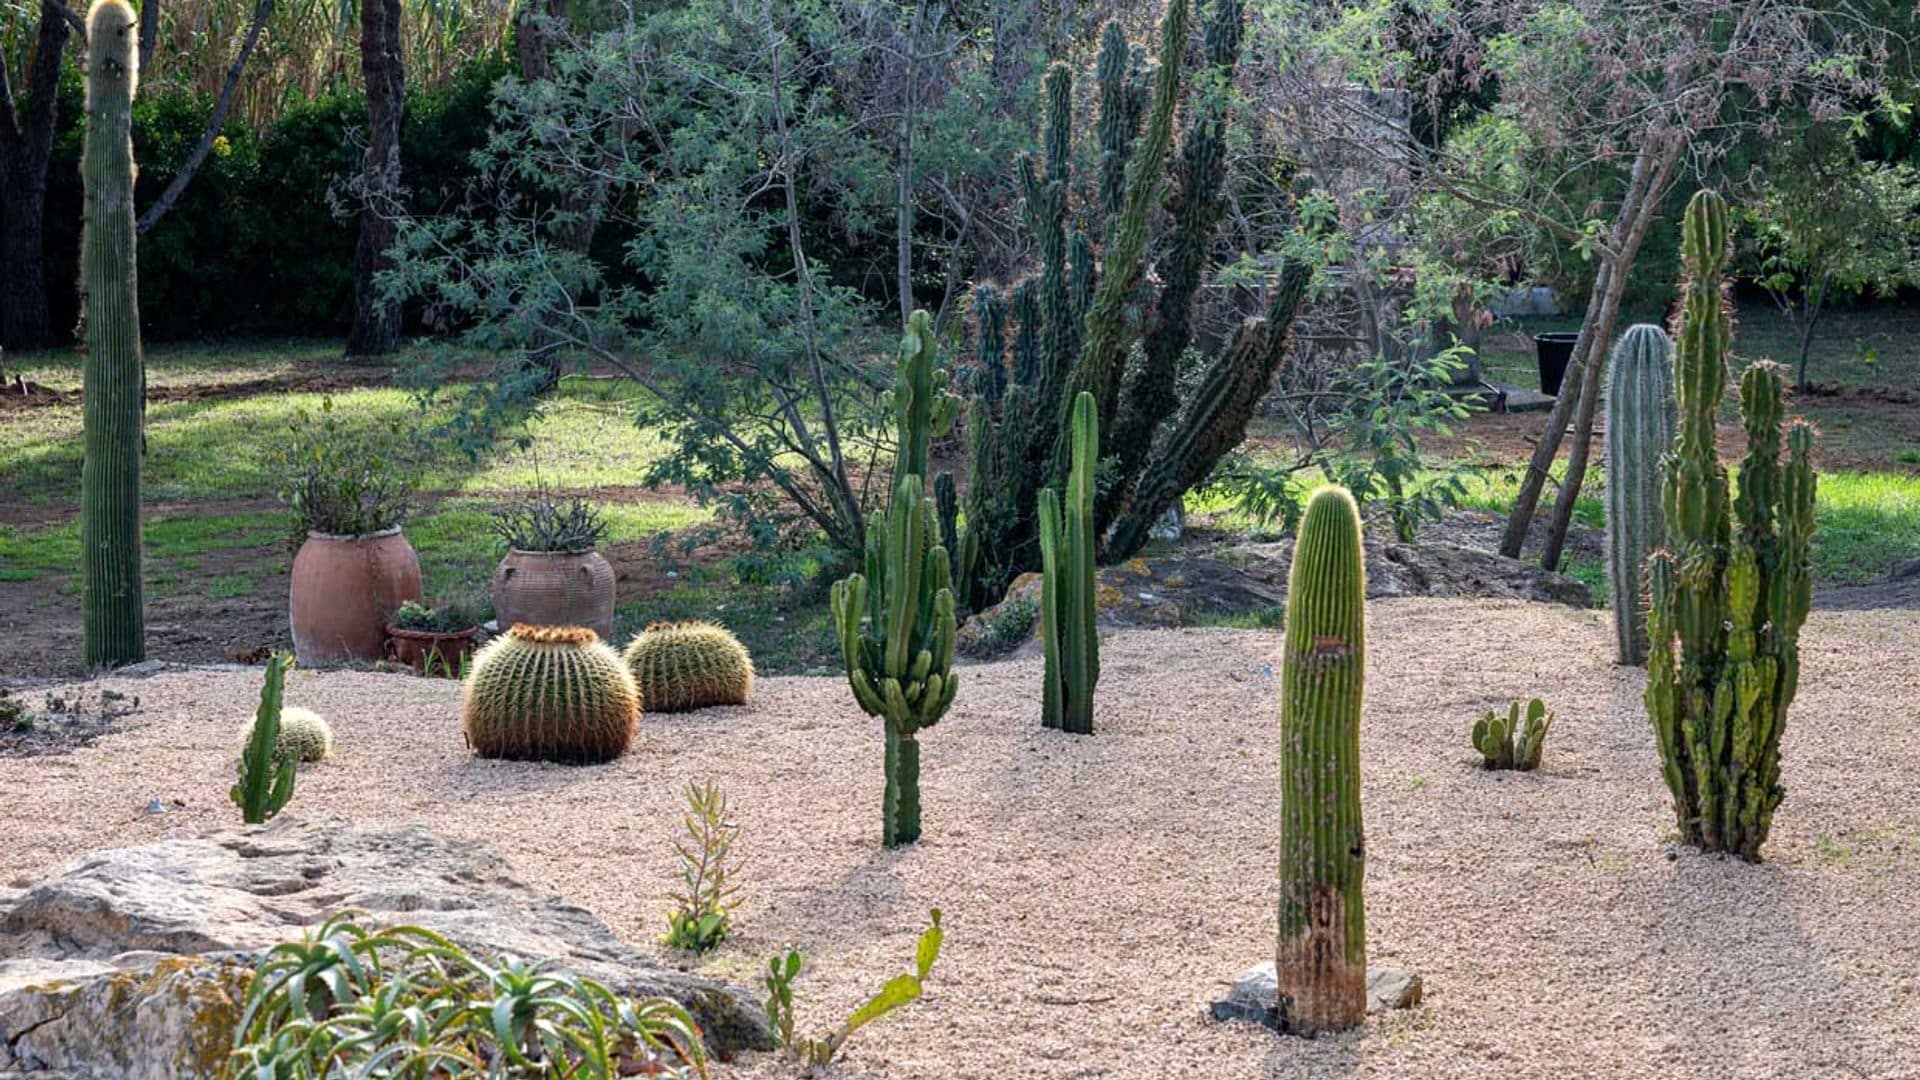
(405, 1001)
(339, 480)
(703, 912)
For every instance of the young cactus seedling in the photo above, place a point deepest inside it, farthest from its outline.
(1513, 741)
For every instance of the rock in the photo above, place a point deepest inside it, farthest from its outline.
(130, 962)
(1426, 568)
(1254, 993)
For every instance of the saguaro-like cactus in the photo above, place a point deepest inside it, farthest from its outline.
(1322, 961)
(1639, 433)
(1729, 594)
(896, 620)
(111, 600)
(1067, 584)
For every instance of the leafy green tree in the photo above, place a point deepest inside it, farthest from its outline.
(1829, 226)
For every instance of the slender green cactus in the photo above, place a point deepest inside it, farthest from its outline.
(1640, 419)
(1322, 960)
(1728, 595)
(266, 769)
(896, 621)
(112, 602)
(1513, 741)
(1067, 598)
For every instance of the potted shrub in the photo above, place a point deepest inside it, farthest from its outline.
(552, 576)
(434, 638)
(354, 568)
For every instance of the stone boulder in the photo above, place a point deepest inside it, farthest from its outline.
(1197, 584)
(132, 962)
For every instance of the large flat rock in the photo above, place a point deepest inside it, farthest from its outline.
(130, 962)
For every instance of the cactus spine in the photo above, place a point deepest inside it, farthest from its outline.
(1067, 584)
(1639, 431)
(114, 621)
(550, 693)
(1729, 594)
(1322, 961)
(266, 770)
(896, 621)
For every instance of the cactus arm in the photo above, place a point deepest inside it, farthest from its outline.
(112, 603)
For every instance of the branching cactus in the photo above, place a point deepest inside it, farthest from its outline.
(1513, 741)
(1067, 584)
(266, 769)
(112, 602)
(1110, 306)
(1322, 961)
(1728, 595)
(1639, 432)
(896, 620)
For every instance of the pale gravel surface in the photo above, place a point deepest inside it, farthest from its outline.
(1099, 891)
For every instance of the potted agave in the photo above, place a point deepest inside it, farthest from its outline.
(552, 576)
(354, 568)
(434, 638)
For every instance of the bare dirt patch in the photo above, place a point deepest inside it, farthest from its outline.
(1098, 892)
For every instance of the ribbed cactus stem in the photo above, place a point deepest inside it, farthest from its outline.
(1727, 598)
(112, 603)
(896, 621)
(266, 769)
(1067, 596)
(1640, 421)
(1322, 960)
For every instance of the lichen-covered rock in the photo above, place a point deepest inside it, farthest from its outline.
(128, 963)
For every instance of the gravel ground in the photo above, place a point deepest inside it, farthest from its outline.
(1098, 892)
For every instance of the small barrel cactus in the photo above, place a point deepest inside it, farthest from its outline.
(550, 693)
(304, 735)
(689, 665)
(1513, 741)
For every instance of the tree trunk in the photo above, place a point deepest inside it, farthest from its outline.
(376, 321)
(26, 141)
(1637, 210)
(1629, 226)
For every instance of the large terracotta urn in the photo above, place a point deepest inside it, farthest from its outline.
(344, 590)
(555, 588)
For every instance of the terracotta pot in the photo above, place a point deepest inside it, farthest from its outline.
(555, 588)
(344, 590)
(413, 647)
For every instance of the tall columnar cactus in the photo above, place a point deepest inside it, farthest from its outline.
(1067, 585)
(1639, 432)
(266, 768)
(1322, 961)
(1091, 307)
(112, 603)
(550, 693)
(896, 620)
(1728, 595)
(689, 665)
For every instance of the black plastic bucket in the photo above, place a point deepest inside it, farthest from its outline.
(1555, 351)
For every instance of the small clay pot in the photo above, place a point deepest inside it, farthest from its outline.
(344, 589)
(555, 588)
(414, 647)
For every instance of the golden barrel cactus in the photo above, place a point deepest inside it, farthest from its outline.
(689, 665)
(550, 693)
